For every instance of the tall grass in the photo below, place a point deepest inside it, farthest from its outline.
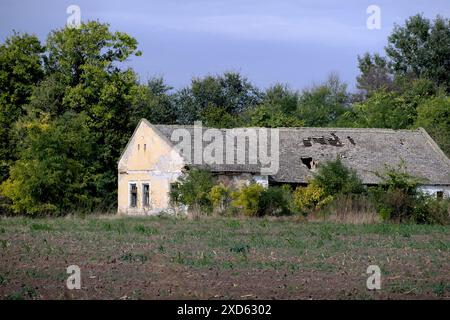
(353, 209)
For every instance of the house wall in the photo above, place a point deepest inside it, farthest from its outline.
(238, 180)
(148, 158)
(431, 190)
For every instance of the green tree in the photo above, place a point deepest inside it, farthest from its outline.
(322, 105)
(383, 110)
(230, 92)
(375, 73)
(434, 116)
(278, 109)
(396, 109)
(53, 174)
(20, 70)
(420, 48)
(84, 75)
(153, 102)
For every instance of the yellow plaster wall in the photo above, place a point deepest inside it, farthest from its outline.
(151, 159)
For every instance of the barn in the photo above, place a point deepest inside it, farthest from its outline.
(156, 155)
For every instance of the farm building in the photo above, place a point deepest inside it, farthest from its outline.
(156, 155)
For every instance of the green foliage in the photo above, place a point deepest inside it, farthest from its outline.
(220, 197)
(271, 117)
(335, 178)
(384, 110)
(248, 199)
(420, 48)
(54, 171)
(83, 76)
(153, 102)
(79, 53)
(397, 178)
(429, 210)
(375, 73)
(395, 197)
(310, 197)
(217, 117)
(275, 201)
(434, 116)
(398, 199)
(193, 190)
(20, 70)
(229, 92)
(278, 109)
(78, 76)
(322, 105)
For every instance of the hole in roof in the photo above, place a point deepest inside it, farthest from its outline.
(307, 161)
(307, 142)
(320, 140)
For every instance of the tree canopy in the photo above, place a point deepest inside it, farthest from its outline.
(69, 105)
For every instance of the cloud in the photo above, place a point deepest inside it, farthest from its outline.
(263, 27)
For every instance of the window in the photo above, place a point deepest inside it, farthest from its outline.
(145, 195)
(133, 195)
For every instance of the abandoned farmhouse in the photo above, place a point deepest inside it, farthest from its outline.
(153, 159)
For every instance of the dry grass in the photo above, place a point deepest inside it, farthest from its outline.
(349, 209)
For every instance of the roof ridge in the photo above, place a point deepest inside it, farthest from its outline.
(378, 130)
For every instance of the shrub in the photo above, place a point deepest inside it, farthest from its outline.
(220, 197)
(397, 198)
(248, 199)
(335, 178)
(192, 189)
(275, 201)
(309, 197)
(429, 210)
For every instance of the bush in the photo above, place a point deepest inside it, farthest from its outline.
(398, 199)
(220, 197)
(429, 210)
(192, 189)
(335, 178)
(309, 197)
(248, 199)
(275, 201)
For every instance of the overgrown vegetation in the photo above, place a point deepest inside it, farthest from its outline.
(335, 192)
(399, 199)
(61, 98)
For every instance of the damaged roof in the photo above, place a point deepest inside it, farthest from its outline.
(366, 150)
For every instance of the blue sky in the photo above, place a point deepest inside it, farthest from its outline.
(293, 42)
